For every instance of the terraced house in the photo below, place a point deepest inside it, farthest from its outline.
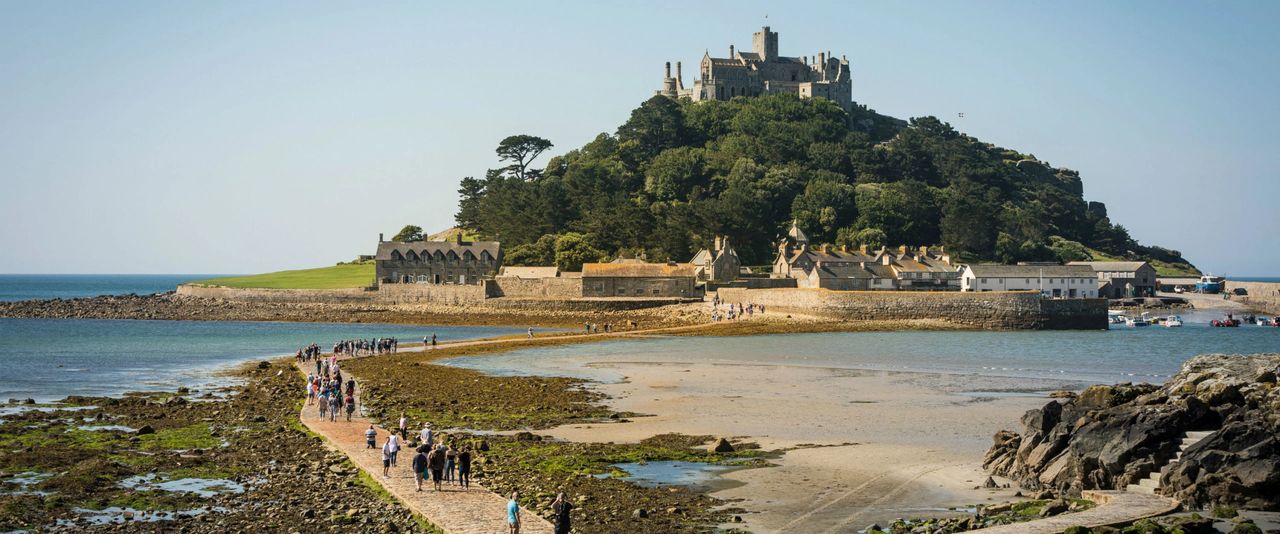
(437, 262)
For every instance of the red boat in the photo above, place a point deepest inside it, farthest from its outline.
(1228, 322)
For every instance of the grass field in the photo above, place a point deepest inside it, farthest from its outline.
(336, 277)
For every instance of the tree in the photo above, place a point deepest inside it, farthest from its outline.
(573, 250)
(852, 237)
(470, 197)
(906, 212)
(968, 213)
(538, 253)
(825, 206)
(674, 172)
(658, 124)
(409, 234)
(1067, 250)
(520, 151)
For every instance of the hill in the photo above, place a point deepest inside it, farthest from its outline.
(676, 174)
(346, 275)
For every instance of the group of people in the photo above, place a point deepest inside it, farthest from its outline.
(434, 461)
(367, 347)
(326, 391)
(733, 312)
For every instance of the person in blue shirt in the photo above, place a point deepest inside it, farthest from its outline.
(513, 513)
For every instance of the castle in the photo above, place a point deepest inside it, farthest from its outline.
(763, 71)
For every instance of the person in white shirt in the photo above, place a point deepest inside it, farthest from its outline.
(425, 435)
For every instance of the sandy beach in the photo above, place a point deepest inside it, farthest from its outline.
(861, 446)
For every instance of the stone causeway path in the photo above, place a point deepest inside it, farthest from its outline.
(1114, 508)
(475, 510)
(456, 511)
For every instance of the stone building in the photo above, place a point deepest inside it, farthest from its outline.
(437, 262)
(717, 264)
(1119, 279)
(762, 71)
(845, 269)
(634, 278)
(1056, 281)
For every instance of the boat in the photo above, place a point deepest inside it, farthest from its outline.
(1263, 321)
(1116, 317)
(1173, 321)
(1139, 321)
(1228, 322)
(1211, 284)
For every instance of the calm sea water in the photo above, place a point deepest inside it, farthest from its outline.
(1273, 279)
(69, 286)
(48, 359)
(1069, 358)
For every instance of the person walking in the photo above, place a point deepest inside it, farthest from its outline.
(351, 406)
(561, 508)
(513, 513)
(394, 441)
(433, 341)
(335, 404)
(464, 468)
(435, 461)
(450, 457)
(425, 435)
(530, 332)
(386, 457)
(419, 468)
(371, 437)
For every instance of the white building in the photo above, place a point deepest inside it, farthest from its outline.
(1055, 281)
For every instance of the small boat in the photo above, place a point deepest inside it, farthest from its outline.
(1116, 317)
(1228, 322)
(1173, 321)
(1211, 284)
(1262, 321)
(1140, 321)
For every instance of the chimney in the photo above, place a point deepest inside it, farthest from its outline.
(731, 54)
(826, 249)
(884, 259)
(668, 71)
(844, 248)
(804, 59)
(902, 249)
(924, 251)
(862, 248)
(380, 240)
(679, 77)
(822, 59)
(718, 246)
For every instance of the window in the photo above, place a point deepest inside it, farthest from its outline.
(622, 291)
(984, 280)
(655, 292)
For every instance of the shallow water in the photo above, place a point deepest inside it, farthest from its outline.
(670, 473)
(203, 487)
(999, 361)
(48, 359)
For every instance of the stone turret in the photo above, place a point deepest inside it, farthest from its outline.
(765, 44)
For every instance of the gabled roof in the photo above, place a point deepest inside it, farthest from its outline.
(844, 271)
(1130, 266)
(829, 256)
(992, 270)
(637, 270)
(796, 234)
(431, 247)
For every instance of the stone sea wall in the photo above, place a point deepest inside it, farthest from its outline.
(993, 310)
(387, 294)
(1262, 295)
(510, 286)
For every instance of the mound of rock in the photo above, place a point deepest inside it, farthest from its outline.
(1112, 436)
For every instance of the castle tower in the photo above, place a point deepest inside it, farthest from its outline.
(765, 44)
(668, 83)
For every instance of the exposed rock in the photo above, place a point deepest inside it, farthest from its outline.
(146, 429)
(1111, 436)
(990, 483)
(721, 445)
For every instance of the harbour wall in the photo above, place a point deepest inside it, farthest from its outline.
(529, 295)
(987, 310)
(1265, 296)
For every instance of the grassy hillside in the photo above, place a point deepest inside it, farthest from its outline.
(336, 277)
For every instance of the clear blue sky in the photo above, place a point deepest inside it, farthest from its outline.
(158, 137)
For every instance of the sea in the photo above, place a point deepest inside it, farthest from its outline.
(49, 359)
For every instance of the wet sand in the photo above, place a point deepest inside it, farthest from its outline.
(862, 446)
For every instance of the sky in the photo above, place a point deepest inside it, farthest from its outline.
(238, 137)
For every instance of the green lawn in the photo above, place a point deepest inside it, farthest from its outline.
(336, 277)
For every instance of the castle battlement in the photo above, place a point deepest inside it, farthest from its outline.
(762, 71)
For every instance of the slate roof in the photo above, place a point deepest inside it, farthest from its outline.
(637, 270)
(991, 270)
(1131, 266)
(831, 256)
(418, 247)
(844, 271)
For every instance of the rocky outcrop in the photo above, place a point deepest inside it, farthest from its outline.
(1112, 436)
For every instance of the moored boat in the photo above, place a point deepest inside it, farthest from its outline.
(1173, 321)
(1135, 322)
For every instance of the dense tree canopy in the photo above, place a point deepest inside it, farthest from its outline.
(677, 173)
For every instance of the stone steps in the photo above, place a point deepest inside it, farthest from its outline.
(1150, 484)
